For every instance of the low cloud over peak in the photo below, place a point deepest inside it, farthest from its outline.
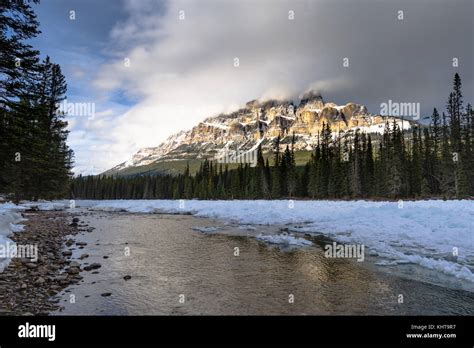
(182, 61)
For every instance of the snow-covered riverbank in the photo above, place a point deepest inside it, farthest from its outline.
(434, 234)
(9, 219)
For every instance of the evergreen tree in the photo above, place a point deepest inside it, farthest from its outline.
(34, 158)
(276, 172)
(416, 165)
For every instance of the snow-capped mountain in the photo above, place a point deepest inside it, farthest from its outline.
(260, 123)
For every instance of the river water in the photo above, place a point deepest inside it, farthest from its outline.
(178, 270)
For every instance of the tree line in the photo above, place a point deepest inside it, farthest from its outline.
(35, 161)
(428, 161)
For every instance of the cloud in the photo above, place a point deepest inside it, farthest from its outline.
(223, 54)
(329, 85)
(77, 72)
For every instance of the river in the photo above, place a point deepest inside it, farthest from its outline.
(178, 270)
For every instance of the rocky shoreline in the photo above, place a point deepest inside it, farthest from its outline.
(28, 287)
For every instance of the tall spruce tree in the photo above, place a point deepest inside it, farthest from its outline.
(276, 172)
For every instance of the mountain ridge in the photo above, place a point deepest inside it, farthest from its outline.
(260, 122)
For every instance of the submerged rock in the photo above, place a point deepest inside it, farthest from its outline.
(92, 266)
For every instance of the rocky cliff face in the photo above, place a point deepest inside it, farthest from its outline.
(260, 123)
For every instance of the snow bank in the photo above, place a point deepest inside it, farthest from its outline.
(422, 232)
(283, 239)
(9, 219)
(46, 205)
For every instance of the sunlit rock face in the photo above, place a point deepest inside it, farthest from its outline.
(259, 123)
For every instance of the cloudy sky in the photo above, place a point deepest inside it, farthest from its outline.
(154, 67)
